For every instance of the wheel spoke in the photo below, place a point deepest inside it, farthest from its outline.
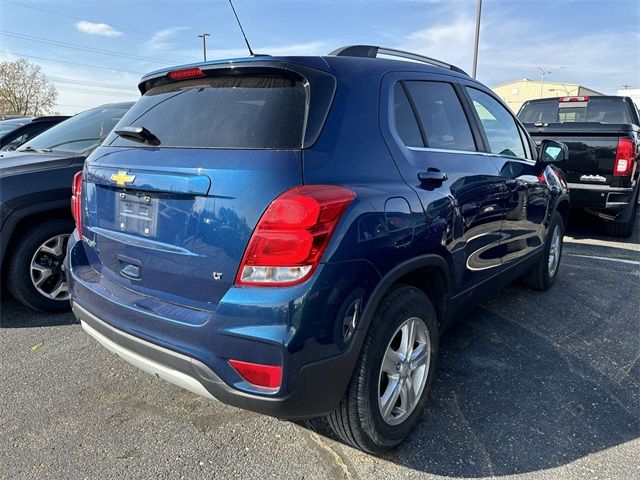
(44, 273)
(61, 288)
(419, 357)
(408, 338)
(407, 395)
(54, 246)
(390, 362)
(390, 398)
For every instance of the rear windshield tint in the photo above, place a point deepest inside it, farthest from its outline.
(255, 112)
(602, 110)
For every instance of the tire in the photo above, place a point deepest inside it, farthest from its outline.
(358, 420)
(542, 276)
(623, 229)
(18, 272)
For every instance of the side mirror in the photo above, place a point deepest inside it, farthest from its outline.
(552, 152)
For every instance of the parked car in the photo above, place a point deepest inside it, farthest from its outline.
(290, 235)
(603, 136)
(16, 137)
(35, 218)
(11, 124)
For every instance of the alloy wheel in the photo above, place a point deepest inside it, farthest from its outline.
(47, 275)
(554, 251)
(404, 371)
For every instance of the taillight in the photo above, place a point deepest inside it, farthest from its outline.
(76, 202)
(268, 376)
(625, 157)
(292, 235)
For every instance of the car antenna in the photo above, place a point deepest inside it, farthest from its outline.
(242, 29)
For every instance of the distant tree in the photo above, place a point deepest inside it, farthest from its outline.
(24, 89)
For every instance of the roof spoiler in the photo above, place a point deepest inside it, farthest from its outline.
(371, 51)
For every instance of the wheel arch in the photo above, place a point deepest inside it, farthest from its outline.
(562, 207)
(429, 273)
(18, 221)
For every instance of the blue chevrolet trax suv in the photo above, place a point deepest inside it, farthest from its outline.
(290, 235)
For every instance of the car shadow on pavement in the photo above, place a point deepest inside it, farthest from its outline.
(508, 400)
(15, 315)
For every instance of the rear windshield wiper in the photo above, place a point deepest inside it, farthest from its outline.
(138, 134)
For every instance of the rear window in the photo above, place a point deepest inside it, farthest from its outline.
(602, 110)
(248, 112)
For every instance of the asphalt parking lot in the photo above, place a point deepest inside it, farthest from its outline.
(531, 385)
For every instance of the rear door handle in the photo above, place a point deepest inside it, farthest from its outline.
(432, 176)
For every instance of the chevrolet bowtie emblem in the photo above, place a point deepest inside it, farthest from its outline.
(121, 178)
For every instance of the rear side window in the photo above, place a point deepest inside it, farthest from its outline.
(441, 115)
(499, 125)
(406, 123)
(252, 112)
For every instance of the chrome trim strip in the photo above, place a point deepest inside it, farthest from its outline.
(468, 152)
(593, 178)
(601, 188)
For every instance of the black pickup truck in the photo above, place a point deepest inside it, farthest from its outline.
(603, 136)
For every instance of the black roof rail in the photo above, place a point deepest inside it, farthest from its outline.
(371, 51)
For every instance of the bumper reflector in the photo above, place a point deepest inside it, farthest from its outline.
(268, 376)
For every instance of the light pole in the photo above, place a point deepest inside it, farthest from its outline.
(476, 43)
(204, 44)
(543, 73)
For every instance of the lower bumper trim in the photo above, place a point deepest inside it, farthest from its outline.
(319, 389)
(168, 374)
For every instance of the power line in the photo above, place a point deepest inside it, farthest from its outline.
(140, 32)
(75, 46)
(93, 84)
(93, 91)
(71, 63)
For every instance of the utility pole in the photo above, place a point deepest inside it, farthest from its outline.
(477, 40)
(204, 36)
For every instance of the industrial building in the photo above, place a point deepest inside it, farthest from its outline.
(519, 91)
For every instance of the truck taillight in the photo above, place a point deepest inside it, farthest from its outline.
(625, 157)
(76, 202)
(292, 235)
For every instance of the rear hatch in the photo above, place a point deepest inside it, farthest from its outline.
(590, 127)
(168, 213)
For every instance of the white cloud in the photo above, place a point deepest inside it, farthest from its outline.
(97, 29)
(511, 49)
(163, 39)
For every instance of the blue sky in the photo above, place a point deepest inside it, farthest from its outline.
(592, 42)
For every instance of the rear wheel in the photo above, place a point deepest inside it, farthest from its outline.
(34, 273)
(391, 381)
(543, 275)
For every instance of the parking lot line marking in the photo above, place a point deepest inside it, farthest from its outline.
(603, 243)
(621, 260)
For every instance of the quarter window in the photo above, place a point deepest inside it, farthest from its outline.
(443, 120)
(406, 123)
(499, 125)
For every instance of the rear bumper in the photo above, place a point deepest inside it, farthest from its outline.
(611, 201)
(315, 394)
(294, 328)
